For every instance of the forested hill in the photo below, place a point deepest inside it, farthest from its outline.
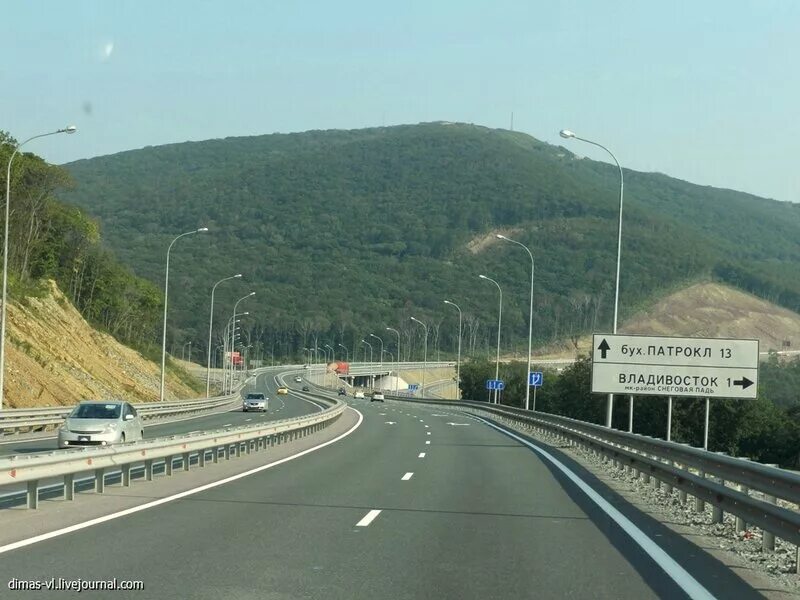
(342, 233)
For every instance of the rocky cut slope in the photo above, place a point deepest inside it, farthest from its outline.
(54, 357)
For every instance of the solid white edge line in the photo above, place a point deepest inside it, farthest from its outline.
(129, 511)
(407, 476)
(368, 518)
(684, 580)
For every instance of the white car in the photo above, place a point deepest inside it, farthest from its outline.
(100, 424)
(298, 379)
(377, 396)
(359, 394)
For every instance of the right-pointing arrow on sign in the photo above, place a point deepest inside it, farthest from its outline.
(744, 382)
(603, 347)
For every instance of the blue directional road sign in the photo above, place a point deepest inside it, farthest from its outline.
(413, 387)
(535, 378)
(495, 384)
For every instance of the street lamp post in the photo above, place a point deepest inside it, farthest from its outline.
(499, 325)
(530, 327)
(397, 362)
(69, 129)
(567, 134)
(381, 341)
(346, 352)
(210, 327)
(166, 296)
(380, 355)
(425, 355)
(230, 330)
(183, 351)
(371, 377)
(370, 350)
(333, 357)
(458, 360)
(233, 344)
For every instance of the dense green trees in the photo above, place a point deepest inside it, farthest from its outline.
(52, 240)
(766, 429)
(351, 231)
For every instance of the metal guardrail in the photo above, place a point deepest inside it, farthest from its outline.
(30, 424)
(32, 420)
(33, 469)
(672, 464)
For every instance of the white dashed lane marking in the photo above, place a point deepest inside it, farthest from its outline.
(368, 518)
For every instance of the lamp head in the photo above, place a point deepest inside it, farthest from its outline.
(70, 129)
(566, 133)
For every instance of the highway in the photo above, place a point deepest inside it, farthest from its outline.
(413, 502)
(280, 407)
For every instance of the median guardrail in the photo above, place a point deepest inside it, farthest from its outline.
(33, 469)
(728, 483)
(36, 420)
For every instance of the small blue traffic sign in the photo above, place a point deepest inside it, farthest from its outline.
(535, 378)
(413, 387)
(495, 384)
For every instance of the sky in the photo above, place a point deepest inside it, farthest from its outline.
(705, 91)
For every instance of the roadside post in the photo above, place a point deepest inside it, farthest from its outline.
(535, 380)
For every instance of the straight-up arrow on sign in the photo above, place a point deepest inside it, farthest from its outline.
(603, 347)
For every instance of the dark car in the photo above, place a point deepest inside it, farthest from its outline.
(342, 391)
(306, 388)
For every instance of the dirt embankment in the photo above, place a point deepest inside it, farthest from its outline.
(706, 310)
(54, 357)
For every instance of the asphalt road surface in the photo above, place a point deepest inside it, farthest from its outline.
(415, 503)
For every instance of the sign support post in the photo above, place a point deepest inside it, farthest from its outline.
(669, 419)
(630, 414)
(675, 366)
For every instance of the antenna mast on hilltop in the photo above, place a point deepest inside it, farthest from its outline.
(512, 120)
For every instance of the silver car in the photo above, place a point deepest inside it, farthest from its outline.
(255, 401)
(100, 424)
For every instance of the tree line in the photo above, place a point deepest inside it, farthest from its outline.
(50, 239)
(766, 429)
